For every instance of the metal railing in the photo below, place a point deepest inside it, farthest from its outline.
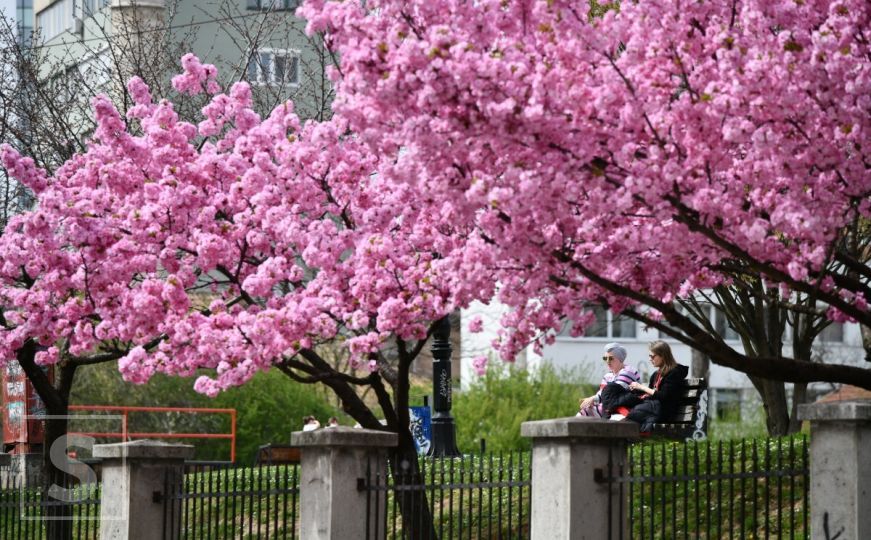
(24, 510)
(725, 489)
(473, 496)
(218, 501)
(125, 435)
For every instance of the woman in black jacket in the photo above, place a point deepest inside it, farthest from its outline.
(661, 399)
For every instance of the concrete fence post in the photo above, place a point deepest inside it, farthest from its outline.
(334, 462)
(568, 503)
(840, 469)
(133, 488)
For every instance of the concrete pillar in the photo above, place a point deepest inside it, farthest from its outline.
(840, 468)
(133, 488)
(21, 470)
(333, 460)
(6, 475)
(567, 501)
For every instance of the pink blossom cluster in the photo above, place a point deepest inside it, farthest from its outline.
(644, 148)
(479, 365)
(197, 77)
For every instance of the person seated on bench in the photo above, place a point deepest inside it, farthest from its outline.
(661, 399)
(619, 374)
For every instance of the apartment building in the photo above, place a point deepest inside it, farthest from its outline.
(101, 43)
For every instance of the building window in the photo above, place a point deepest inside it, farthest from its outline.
(24, 19)
(606, 325)
(600, 327)
(268, 66)
(833, 333)
(716, 317)
(55, 19)
(274, 5)
(91, 7)
(622, 326)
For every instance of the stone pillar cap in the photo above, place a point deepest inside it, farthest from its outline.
(344, 436)
(857, 411)
(144, 449)
(574, 427)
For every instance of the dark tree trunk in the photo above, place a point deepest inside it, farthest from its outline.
(775, 405)
(59, 523)
(799, 396)
(403, 460)
(417, 522)
(405, 464)
(804, 331)
(701, 365)
(56, 396)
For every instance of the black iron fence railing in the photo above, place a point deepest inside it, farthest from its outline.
(725, 489)
(73, 508)
(218, 501)
(473, 496)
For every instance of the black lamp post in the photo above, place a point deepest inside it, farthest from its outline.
(444, 432)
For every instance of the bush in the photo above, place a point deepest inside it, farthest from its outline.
(268, 408)
(494, 406)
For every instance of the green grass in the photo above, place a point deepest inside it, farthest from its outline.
(751, 424)
(471, 497)
(719, 489)
(240, 502)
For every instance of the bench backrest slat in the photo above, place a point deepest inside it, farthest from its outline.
(683, 421)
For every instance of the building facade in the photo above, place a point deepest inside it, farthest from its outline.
(99, 44)
(732, 395)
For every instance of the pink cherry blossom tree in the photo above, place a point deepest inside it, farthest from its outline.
(628, 159)
(225, 248)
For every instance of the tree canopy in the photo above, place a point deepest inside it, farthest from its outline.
(628, 158)
(525, 149)
(235, 254)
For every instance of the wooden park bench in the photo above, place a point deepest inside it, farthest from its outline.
(691, 419)
(275, 454)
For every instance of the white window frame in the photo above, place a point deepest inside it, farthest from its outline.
(265, 71)
(611, 320)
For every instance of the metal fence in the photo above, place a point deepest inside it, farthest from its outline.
(24, 510)
(473, 496)
(217, 501)
(725, 489)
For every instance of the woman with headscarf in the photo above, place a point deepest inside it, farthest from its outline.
(619, 373)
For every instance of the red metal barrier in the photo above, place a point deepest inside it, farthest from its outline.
(126, 435)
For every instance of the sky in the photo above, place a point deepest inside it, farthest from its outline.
(7, 7)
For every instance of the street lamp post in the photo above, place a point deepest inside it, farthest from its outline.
(444, 438)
